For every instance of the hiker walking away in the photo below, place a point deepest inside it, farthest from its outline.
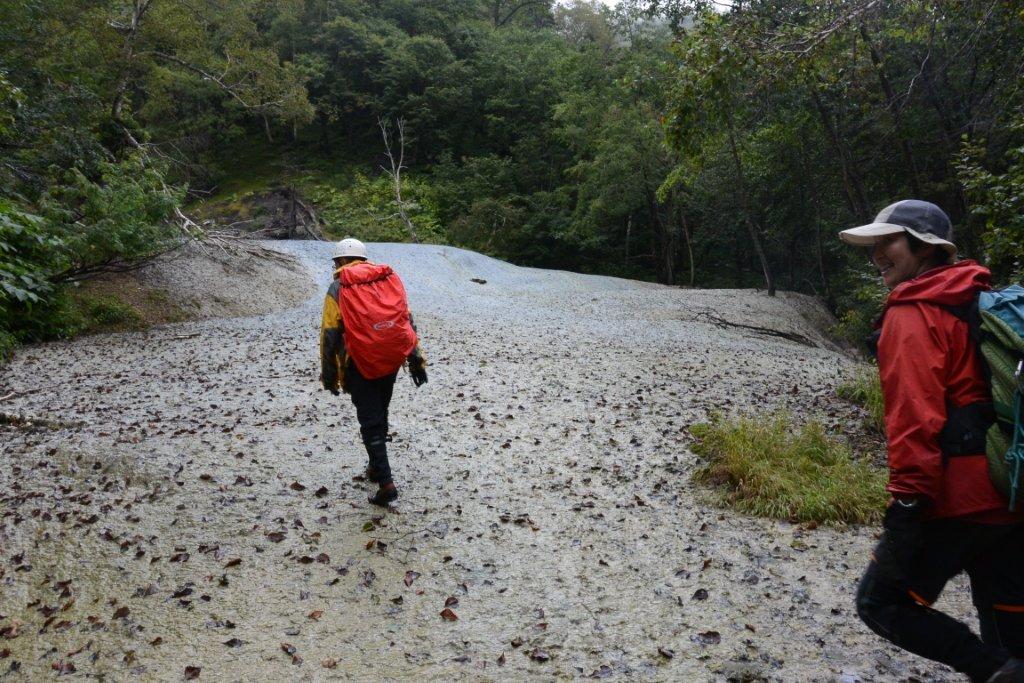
(367, 334)
(946, 515)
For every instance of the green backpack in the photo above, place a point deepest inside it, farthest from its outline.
(996, 321)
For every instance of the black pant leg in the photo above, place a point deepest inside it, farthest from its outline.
(371, 398)
(371, 410)
(997, 587)
(387, 388)
(901, 613)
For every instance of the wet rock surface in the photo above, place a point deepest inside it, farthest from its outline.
(204, 517)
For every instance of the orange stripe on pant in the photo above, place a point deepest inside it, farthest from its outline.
(1009, 608)
(918, 599)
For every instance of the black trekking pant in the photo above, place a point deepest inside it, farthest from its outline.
(993, 557)
(371, 397)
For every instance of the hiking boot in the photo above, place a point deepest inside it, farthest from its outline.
(385, 494)
(371, 475)
(1011, 672)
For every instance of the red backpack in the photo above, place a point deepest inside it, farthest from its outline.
(375, 312)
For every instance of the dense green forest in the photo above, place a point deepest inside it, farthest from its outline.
(691, 143)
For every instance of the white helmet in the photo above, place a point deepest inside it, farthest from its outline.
(349, 248)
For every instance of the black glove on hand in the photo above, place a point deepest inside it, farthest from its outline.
(418, 369)
(419, 374)
(901, 541)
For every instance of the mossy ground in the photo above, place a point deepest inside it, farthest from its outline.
(120, 303)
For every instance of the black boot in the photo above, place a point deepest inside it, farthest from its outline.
(378, 469)
(1011, 672)
(385, 495)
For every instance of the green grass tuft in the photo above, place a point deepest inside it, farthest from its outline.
(771, 468)
(865, 389)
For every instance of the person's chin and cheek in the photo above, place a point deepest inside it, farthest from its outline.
(895, 262)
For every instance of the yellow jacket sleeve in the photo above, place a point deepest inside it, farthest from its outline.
(332, 343)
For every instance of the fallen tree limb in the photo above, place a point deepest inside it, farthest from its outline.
(21, 421)
(19, 393)
(791, 336)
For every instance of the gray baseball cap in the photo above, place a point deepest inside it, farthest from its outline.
(923, 220)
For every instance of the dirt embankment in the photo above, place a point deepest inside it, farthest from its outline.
(198, 283)
(205, 508)
(212, 283)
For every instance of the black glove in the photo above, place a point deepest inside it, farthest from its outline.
(327, 388)
(901, 541)
(419, 375)
(418, 369)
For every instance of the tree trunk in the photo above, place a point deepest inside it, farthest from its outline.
(689, 242)
(852, 185)
(629, 232)
(894, 110)
(741, 192)
(325, 133)
(664, 240)
(139, 8)
(266, 128)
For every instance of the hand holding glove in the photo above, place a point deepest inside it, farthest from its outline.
(902, 539)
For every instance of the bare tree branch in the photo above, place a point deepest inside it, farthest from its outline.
(395, 172)
(229, 88)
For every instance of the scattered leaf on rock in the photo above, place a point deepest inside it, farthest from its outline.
(63, 667)
(192, 672)
(539, 655)
(449, 615)
(296, 486)
(707, 638)
(329, 663)
(411, 576)
(315, 614)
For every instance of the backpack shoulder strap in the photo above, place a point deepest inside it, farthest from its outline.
(970, 313)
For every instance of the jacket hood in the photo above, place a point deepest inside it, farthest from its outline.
(952, 285)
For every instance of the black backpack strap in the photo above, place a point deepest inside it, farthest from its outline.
(970, 313)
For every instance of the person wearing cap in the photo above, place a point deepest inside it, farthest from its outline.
(370, 391)
(945, 516)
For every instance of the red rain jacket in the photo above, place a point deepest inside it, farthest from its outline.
(375, 313)
(926, 362)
